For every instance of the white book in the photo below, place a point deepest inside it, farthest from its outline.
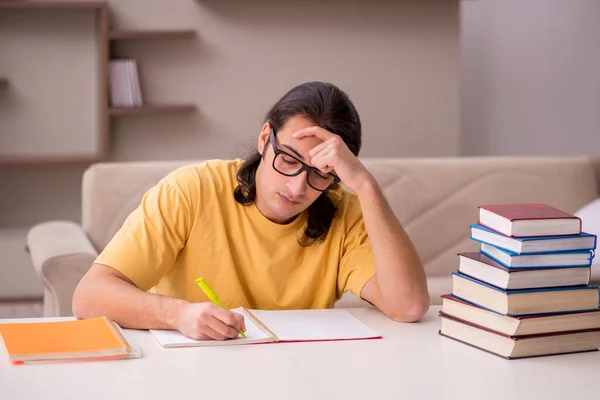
(117, 83)
(556, 259)
(537, 244)
(124, 83)
(134, 84)
(270, 326)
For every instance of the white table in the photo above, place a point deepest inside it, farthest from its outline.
(411, 362)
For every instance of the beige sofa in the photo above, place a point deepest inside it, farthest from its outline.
(435, 199)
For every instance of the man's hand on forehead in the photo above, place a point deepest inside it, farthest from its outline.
(333, 155)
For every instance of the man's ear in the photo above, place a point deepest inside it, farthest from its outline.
(263, 137)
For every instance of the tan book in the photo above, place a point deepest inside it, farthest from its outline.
(519, 325)
(525, 301)
(512, 347)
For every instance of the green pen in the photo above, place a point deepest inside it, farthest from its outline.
(212, 296)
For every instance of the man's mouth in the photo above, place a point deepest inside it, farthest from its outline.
(289, 201)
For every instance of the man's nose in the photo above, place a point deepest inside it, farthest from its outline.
(297, 184)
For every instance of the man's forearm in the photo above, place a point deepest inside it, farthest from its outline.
(125, 304)
(399, 272)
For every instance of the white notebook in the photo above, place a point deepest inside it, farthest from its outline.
(282, 326)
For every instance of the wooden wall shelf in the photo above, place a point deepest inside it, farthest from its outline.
(152, 34)
(52, 5)
(41, 162)
(105, 38)
(152, 110)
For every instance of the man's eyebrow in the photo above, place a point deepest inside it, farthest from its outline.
(290, 148)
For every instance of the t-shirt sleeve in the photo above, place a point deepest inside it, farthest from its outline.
(147, 245)
(356, 264)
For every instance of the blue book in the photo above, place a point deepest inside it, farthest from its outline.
(520, 302)
(538, 260)
(532, 245)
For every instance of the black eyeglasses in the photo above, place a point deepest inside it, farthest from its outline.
(288, 165)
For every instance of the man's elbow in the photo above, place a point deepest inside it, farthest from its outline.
(79, 302)
(412, 312)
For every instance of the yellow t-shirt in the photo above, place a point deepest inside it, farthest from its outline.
(189, 225)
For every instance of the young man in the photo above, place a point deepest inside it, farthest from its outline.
(275, 231)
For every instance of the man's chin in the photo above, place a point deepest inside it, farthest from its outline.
(285, 214)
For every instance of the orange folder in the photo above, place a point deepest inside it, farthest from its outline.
(63, 340)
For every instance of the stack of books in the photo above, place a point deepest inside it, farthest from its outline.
(526, 292)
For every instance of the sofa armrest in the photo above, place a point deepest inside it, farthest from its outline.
(61, 254)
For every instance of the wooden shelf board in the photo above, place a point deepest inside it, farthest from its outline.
(151, 34)
(152, 109)
(45, 161)
(45, 5)
(3, 83)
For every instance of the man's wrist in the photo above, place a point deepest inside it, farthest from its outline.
(173, 312)
(367, 187)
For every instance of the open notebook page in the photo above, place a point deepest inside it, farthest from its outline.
(168, 338)
(314, 325)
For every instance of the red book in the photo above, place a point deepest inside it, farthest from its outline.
(528, 220)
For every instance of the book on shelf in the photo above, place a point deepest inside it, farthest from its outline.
(520, 325)
(525, 301)
(270, 326)
(538, 244)
(483, 268)
(528, 219)
(579, 258)
(513, 347)
(71, 339)
(124, 81)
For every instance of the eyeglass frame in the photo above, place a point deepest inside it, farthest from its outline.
(303, 167)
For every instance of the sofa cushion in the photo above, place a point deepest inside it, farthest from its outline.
(111, 191)
(436, 199)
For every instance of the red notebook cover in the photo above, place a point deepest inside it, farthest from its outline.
(527, 211)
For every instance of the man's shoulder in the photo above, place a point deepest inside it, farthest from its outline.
(205, 170)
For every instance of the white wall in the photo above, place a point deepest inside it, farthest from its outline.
(398, 60)
(530, 77)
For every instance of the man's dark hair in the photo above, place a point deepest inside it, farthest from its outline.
(326, 106)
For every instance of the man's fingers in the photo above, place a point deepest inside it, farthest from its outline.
(241, 321)
(227, 331)
(315, 131)
(324, 164)
(205, 332)
(229, 318)
(320, 147)
(321, 160)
